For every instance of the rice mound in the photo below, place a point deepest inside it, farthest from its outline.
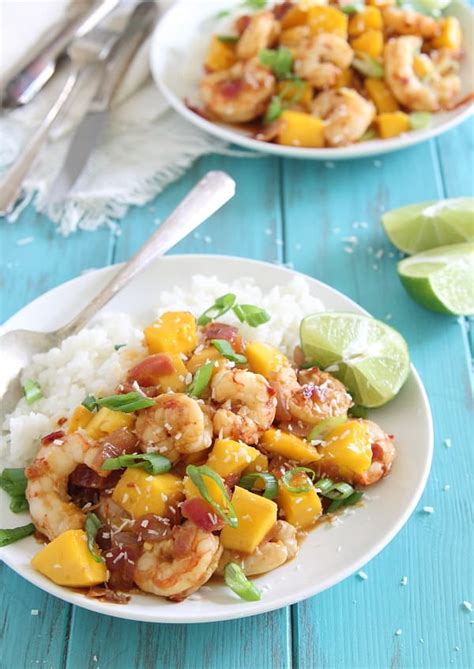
(89, 363)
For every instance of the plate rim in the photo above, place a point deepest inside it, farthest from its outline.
(352, 152)
(258, 608)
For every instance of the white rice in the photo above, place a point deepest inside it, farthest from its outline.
(88, 362)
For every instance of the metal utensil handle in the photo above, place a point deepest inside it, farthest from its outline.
(10, 187)
(24, 85)
(213, 191)
(139, 24)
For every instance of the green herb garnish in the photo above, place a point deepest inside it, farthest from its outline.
(280, 61)
(127, 403)
(250, 314)
(228, 39)
(224, 347)
(90, 403)
(341, 493)
(92, 526)
(117, 347)
(358, 411)
(367, 65)
(153, 463)
(271, 484)
(220, 307)
(325, 426)
(14, 482)
(197, 476)
(32, 390)
(419, 120)
(287, 478)
(15, 534)
(201, 380)
(237, 581)
(274, 109)
(349, 501)
(352, 9)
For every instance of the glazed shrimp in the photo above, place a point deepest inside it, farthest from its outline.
(261, 32)
(51, 510)
(398, 21)
(434, 93)
(283, 546)
(383, 455)
(309, 396)
(175, 425)
(178, 566)
(321, 60)
(247, 405)
(346, 114)
(239, 94)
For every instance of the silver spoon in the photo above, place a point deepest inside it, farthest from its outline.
(18, 346)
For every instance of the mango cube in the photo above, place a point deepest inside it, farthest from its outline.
(106, 421)
(392, 124)
(344, 79)
(139, 492)
(173, 332)
(256, 517)
(301, 509)
(450, 36)
(68, 561)
(207, 354)
(370, 41)
(300, 129)
(381, 96)
(348, 448)
(264, 359)
(292, 37)
(325, 19)
(295, 16)
(80, 418)
(176, 380)
(220, 56)
(289, 446)
(230, 457)
(370, 18)
(260, 464)
(422, 65)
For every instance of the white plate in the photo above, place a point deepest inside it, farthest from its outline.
(329, 554)
(177, 55)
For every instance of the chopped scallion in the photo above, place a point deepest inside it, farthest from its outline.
(92, 526)
(358, 411)
(128, 402)
(325, 426)
(224, 347)
(228, 39)
(237, 581)
(197, 475)
(287, 478)
(14, 482)
(220, 307)
(274, 109)
(153, 463)
(419, 120)
(250, 314)
(269, 481)
(32, 390)
(352, 9)
(280, 61)
(201, 380)
(13, 534)
(367, 65)
(117, 347)
(90, 403)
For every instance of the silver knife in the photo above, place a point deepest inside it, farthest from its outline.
(88, 133)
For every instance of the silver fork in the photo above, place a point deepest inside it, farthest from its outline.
(85, 56)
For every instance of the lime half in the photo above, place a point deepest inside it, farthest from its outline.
(441, 279)
(368, 356)
(424, 226)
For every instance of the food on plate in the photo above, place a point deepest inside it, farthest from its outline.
(309, 74)
(206, 443)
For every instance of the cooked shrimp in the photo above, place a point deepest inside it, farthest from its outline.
(309, 397)
(283, 546)
(178, 566)
(239, 94)
(247, 405)
(261, 32)
(175, 425)
(383, 455)
(431, 94)
(51, 510)
(398, 21)
(346, 113)
(321, 60)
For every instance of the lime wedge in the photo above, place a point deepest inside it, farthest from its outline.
(424, 226)
(368, 356)
(441, 279)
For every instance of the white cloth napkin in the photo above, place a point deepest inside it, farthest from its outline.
(146, 145)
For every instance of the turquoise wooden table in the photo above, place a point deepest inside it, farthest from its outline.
(322, 219)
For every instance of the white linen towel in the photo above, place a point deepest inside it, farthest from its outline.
(145, 147)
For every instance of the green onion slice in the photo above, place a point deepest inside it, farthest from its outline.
(249, 313)
(237, 581)
(117, 347)
(358, 411)
(271, 484)
(15, 534)
(197, 474)
(153, 463)
(325, 426)
(274, 109)
(128, 402)
(228, 39)
(201, 380)
(224, 347)
(352, 9)
(419, 120)
(90, 402)
(288, 476)
(254, 4)
(334, 490)
(368, 66)
(92, 526)
(220, 307)
(32, 390)
(280, 61)
(349, 501)
(14, 482)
